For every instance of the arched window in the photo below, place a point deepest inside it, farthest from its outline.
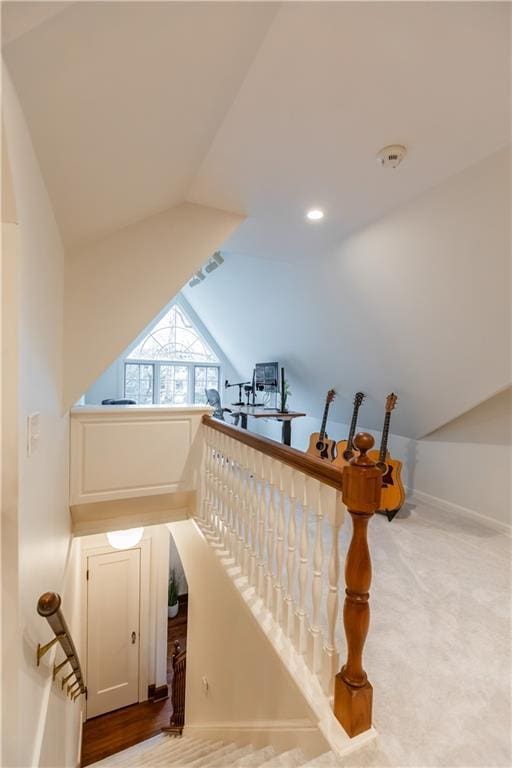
(172, 365)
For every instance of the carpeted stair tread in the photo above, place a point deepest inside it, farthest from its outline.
(257, 758)
(327, 760)
(290, 759)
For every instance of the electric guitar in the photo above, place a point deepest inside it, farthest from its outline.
(319, 444)
(345, 448)
(392, 494)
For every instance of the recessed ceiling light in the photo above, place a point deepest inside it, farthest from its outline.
(315, 214)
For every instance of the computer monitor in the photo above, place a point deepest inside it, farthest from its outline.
(266, 377)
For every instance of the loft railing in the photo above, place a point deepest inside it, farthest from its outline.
(48, 606)
(276, 510)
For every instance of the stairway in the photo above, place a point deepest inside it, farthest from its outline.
(165, 751)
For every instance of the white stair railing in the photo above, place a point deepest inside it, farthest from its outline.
(263, 511)
(277, 513)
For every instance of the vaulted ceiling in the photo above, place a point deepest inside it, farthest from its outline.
(267, 109)
(259, 108)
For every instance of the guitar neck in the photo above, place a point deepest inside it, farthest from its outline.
(385, 435)
(353, 425)
(324, 422)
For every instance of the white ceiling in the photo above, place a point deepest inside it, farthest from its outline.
(123, 100)
(260, 108)
(417, 303)
(267, 109)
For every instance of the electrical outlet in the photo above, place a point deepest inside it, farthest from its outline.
(32, 433)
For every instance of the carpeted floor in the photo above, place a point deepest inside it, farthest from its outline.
(439, 648)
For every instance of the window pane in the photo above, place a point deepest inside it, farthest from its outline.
(173, 338)
(174, 384)
(138, 383)
(206, 377)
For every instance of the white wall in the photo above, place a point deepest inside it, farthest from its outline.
(176, 565)
(42, 516)
(248, 685)
(115, 286)
(467, 462)
(9, 320)
(416, 303)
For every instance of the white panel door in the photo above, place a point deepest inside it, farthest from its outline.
(113, 608)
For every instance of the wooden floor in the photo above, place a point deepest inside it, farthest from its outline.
(110, 733)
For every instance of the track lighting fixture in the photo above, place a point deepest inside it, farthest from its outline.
(198, 278)
(213, 263)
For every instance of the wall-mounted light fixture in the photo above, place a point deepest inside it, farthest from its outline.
(126, 538)
(213, 263)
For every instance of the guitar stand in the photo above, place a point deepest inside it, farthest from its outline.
(390, 513)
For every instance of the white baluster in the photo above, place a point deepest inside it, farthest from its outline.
(289, 617)
(315, 630)
(247, 498)
(225, 497)
(242, 506)
(233, 478)
(262, 523)
(254, 511)
(207, 478)
(302, 623)
(334, 511)
(281, 471)
(215, 483)
(235, 499)
(270, 538)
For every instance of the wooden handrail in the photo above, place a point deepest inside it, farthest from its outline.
(303, 462)
(48, 606)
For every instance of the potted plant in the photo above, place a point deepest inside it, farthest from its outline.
(285, 394)
(172, 596)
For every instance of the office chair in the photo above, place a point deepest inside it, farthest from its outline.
(213, 399)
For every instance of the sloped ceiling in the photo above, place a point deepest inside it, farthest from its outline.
(416, 303)
(267, 109)
(260, 108)
(123, 99)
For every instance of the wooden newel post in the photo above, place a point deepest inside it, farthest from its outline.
(361, 495)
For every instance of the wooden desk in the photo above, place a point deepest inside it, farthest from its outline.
(261, 413)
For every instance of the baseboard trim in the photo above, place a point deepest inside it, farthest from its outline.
(457, 509)
(281, 734)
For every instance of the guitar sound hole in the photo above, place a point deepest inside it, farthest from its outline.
(320, 446)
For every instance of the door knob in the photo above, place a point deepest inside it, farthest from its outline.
(134, 637)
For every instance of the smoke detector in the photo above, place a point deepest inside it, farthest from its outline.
(391, 156)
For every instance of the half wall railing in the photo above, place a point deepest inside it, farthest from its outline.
(278, 513)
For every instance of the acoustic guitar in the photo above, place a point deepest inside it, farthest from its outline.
(345, 448)
(392, 494)
(319, 443)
